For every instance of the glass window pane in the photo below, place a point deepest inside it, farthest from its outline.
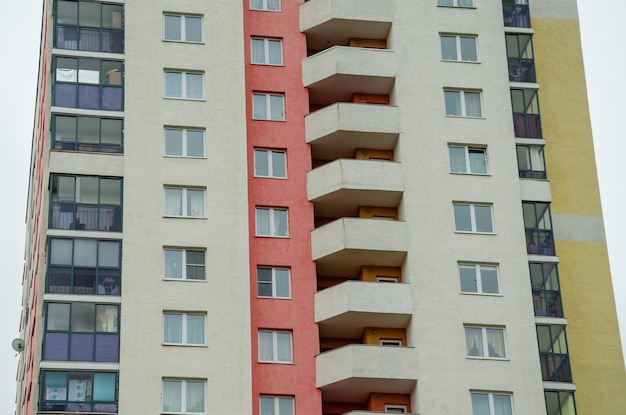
(280, 222)
(266, 353)
(195, 396)
(193, 29)
(111, 191)
(87, 189)
(495, 341)
(278, 164)
(283, 341)
(261, 163)
(58, 317)
(489, 279)
(173, 84)
(195, 143)
(273, 5)
(83, 317)
(55, 386)
(267, 402)
(111, 132)
(108, 254)
(462, 219)
(468, 49)
(172, 25)
(258, 50)
(457, 159)
(483, 218)
(64, 128)
(477, 160)
(85, 252)
(67, 12)
(480, 404)
(195, 203)
(195, 329)
(63, 189)
(285, 406)
(107, 318)
(173, 142)
(453, 103)
(172, 328)
(173, 263)
(472, 104)
(173, 201)
(276, 107)
(448, 48)
(264, 282)
(466, 3)
(468, 278)
(88, 129)
(474, 341)
(282, 283)
(445, 3)
(194, 88)
(104, 387)
(275, 52)
(262, 221)
(172, 396)
(259, 107)
(61, 252)
(89, 14)
(502, 404)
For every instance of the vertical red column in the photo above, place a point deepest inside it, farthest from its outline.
(295, 313)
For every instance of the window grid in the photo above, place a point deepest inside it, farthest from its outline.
(491, 403)
(268, 107)
(468, 159)
(79, 391)
(183, 202)
(265, 5)
(182, 28)
(273, 282)
(272, 222)
(485, 342)
(276, 405)
(183, 396)
(187, 329)
(266, 51)
(183, 85)
(460, 103)
(270, 163)
(458, 48)
(184, 264)
(473, 218)
(275, 346)
(183, 142)
(76, 133)
(479, 278)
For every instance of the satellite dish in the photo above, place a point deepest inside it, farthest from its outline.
(18, 345)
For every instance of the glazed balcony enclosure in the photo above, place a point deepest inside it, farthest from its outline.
(337, 130)
(538, 227)
(544, 278)
(516, 13)
(338, 188)
(553, 353)
(520, 54)
(350, 373)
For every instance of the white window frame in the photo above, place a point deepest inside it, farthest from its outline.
(390, 342)
(272, 223)
(277, 399)
(183, 252)
(468, 166)
(273, 282)
(455, 3)
(275, 358)
(459, 49)
(264, 7)
(184, 143)
(266, 51)
(183, 84)
(485, 342)
(184, 207)
(183, 22)
(462, 93)
(270, 162)
(478, 268)
(492, 407)
(183, 395)
(473, 224)
(268, 107)
(184, 328)
(397, 409)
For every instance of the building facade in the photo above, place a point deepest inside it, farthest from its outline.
(315, 207)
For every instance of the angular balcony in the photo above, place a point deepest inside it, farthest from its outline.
(340, 247)
(516, 13)
(337, 130)
(538, 227)
(531, 162)
(333, 22)
(337, 73)
(520, 54)
(350, 373)
(89, 26)
(526, 115)
(344, 310)
(340, 187)
(546, 288)
(553, 353)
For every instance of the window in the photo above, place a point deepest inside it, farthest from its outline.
(484, 403)
(476, 338)
(531, 162)
(84, 266)
(269, 107)
(516, 13)
(183, 396)
(275, 346)
(465, 159)
(469, 217)
(276, 405)
(458, 48)
(184, 264)
(81, 332)
(273, 282)
(267, 5)
(182, 28)
(87, 134)
(88, 83)
(396, 409)
(544, 278)
(271, 222)
(183, 142)
(519, 50)
(89, 26)
(267, 51)
(88, 203)
(553, 353)
(391, 342)
(185, 85)
(456, 3)
(184, 202)
(79, 391)
(538, 228)
(526, 114)
(463, 103)
(270, 163)
(183, 328)
(479, 278)
(560, 402)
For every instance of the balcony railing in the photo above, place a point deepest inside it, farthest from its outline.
(540, 242)
(516, 15)
(89, 39)
(85, 217)
(555, 367)
(547, 303)
(532, 174)
(91, 147)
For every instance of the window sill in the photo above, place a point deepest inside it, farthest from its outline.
(182, 41)
(274, 298)
(460, 61)
(481, 294)
(184, 217)
(456, 7)
(183, 280)
(474, 233)
(186, 99)
(274, 363)
(184, 157)
(201, 346)
(265, 119)
(267, 64)
(465, 117)
(500, 359)
(470, 174)
(270, 177)
(271, 236)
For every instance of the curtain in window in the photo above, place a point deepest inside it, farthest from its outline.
(55, 386)
(282, 283)
(195, 143)
(477, 161)
(502, 405)
(474, 341)
(173, 263)
(171, 396)
(262, 221)
(278, 164)
(172, 26)
(472, 104)
(258, 51)
(453, 102)
(276, 107)
(195, 396)
(195, 329)
(275, 52)
(267, 405)
(457, 159)
(283, 341)
(462, 218)
(173, 202)
(280, 222)
(193, 29)
(259, 108)
(483, 218)
(273, 4)
(173, 84)
(285, 406)
(195, 203)
(194, 86)
(172, 328)
(495, 339)
(480, 404)
(265, 346)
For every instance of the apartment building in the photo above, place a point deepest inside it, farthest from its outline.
(279, 207)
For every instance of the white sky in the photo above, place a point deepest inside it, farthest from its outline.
(601, 21)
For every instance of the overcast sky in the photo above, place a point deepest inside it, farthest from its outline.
(20, 22)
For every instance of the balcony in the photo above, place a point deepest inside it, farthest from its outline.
(520, 54)
(78, 391)
(333, 22)
(345, 310)
(531, 162)
(90, 134)
(337, 130)
(516, 13)
(335, 74)
(546, 290)
(538, 228)
(85, 217)
(350, 373)
(340, 187)
(340, 247)
(526, 118)
(553, 353)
